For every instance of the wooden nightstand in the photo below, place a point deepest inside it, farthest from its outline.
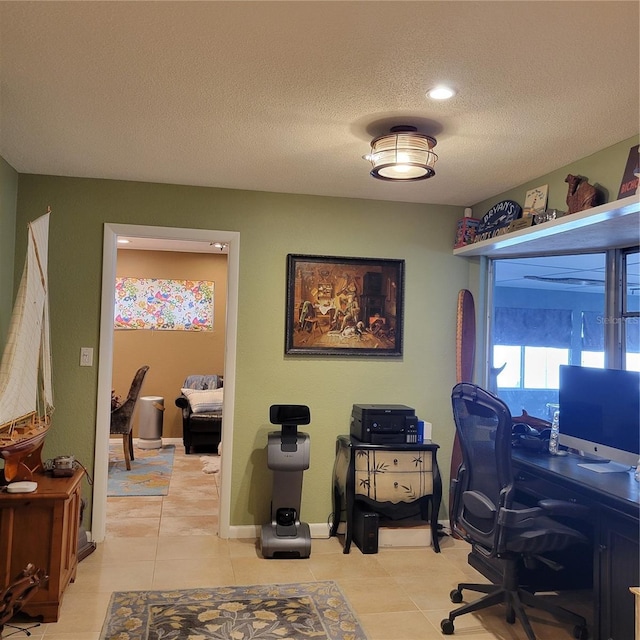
(42, 528)
(394, 480)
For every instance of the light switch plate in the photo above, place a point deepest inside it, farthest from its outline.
(86, 356)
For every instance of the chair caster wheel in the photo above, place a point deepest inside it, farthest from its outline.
(511, 617)
(580, 632)
(456, 596)
(447, 627)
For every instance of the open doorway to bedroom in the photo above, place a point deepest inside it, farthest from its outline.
(181, 255)
(170, 315)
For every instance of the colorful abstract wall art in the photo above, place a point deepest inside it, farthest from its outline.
(164, 305)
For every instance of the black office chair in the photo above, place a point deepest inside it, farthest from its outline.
(485, 514)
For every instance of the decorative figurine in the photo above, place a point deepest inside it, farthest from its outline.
(581, 195)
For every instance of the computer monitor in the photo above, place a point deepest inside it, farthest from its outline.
(600, 413)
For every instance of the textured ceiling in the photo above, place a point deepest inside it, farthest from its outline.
(285, 96)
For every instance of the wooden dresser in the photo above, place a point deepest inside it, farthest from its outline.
(42, 528)
(392, 479)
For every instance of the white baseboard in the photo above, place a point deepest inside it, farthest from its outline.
(387, 536)
(317, 529)
(415, 535)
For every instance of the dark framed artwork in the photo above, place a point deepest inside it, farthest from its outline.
(344, 306)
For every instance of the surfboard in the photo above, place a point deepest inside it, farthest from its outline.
(465, 355)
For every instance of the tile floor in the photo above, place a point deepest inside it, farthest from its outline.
(171, 542)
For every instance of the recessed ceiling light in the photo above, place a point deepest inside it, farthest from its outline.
(441, 92)
(123, 241)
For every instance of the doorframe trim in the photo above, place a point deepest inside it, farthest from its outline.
(105, 361)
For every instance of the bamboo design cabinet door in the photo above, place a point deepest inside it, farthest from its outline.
(390, 479)
(393, 476)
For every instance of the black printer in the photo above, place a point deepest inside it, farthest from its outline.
(384, 423)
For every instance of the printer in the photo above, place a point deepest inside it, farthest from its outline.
(384, 424)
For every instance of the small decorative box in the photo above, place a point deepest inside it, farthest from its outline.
(466, 232)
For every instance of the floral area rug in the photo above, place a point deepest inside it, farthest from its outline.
(316, 610)
(149, 475)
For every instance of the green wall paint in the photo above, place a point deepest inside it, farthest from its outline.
(604, 170)
(271, 226)
(8, 199)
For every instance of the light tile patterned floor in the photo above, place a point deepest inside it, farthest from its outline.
(171, 542)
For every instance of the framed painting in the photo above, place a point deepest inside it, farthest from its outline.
(344, 306)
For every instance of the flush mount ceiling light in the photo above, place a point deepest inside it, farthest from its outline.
(219, 245)
(404, 155)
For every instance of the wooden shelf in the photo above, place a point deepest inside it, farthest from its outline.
(608, 226)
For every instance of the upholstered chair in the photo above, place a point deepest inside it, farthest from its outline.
(122, 416)
(201, 404)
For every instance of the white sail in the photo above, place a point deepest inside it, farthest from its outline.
(26, 358)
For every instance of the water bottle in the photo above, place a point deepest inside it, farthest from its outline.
(555, 432)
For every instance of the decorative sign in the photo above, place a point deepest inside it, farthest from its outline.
(520, 223)
(631, 174)
(496, 220)
(170, 305)
(535, 201)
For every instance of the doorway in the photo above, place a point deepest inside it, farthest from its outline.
(183, 237)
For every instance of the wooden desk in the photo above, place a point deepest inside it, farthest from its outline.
(42, 528)
(614, 500)
(390, 479)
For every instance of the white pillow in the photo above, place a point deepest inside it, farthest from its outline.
(204, 400)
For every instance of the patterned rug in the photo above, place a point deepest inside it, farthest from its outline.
(149, 475)
(315, 610)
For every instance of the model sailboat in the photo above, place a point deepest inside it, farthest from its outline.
(26, 397)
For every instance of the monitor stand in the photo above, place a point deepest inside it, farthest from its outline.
(593, 459)
(605, 466)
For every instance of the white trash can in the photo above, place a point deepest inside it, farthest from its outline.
(150, 417)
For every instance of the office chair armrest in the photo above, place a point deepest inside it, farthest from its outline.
(518, 518)
(564, 508)
(478, 504)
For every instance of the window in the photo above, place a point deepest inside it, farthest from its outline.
(542, 366)
(631, 309)
(509, 357)
(553, 310)
(546, 312)
(528, 367)
(593, 359)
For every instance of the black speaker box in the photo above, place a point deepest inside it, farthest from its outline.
(365, 529)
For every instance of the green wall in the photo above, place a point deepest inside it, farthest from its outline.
(604, 170)
(8, 198)
(270, 226)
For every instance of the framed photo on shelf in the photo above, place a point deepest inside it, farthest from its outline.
(535, 201)
(341, 306)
